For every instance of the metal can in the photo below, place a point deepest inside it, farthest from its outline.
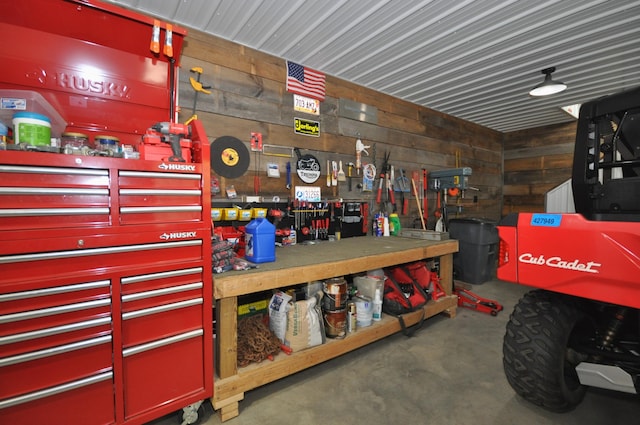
(352, 322)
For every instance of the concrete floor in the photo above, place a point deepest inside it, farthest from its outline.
(448, 373)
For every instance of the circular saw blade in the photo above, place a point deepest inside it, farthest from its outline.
(229, 157)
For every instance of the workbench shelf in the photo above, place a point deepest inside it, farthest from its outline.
(305, 263)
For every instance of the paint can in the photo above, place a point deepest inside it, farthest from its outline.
(335, 294)
(335, 323)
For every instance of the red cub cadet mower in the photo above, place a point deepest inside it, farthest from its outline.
(579, 327)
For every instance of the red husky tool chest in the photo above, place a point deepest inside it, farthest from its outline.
(106, 288)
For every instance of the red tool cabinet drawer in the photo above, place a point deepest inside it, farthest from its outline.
(181, 361)
(159, 180)
(71, 262)
(50, 296)
(85, 401)
(163, 279)
(160, 214)
(141, 326)
(54, 366)
(33, 320)
(33, 197)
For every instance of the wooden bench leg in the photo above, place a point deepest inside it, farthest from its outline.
(228, 408)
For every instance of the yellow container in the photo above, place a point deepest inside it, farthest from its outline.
(230, 213)
(259, 212)
(216, 214)
(244, 215)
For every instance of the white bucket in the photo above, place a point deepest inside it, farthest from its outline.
(364, 311)
(367, 285)
(32, 129)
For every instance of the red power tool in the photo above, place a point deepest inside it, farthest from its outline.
(173, 133)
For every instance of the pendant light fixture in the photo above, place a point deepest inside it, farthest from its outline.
(548, 86)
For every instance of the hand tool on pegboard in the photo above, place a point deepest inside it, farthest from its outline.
(415, 193)
(288, 175)
(256, 148)
(341, 175)
(360, 147)
(425, 192)
(328, 173)
(402, 187)
(349, 175)
(383, 172)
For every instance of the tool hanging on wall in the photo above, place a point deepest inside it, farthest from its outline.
(198, 87)
(368, 176)
(334, 173)
(341, 175)
(328, 173)
(425, 191)
(360, 147)
(402, 187)
(288, 175)
(256, 148)
(415, 193)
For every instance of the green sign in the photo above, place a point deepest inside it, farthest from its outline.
(306, 127)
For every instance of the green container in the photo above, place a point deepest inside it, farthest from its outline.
(31, 128)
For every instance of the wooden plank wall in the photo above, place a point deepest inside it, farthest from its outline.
(248, 95)
(536, 161)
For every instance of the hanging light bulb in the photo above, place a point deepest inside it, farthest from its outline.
(548, 86)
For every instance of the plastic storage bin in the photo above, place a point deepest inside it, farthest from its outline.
(260, 241)
(475, 262)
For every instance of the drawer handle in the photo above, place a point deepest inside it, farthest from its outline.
(48, 352)
(156, 192)
(41, 333)
(147, 174)
(20, 212)
(161, 308)
(161, 343)
(176, 208)
(161, 275)
(51, 191)
(54, 290)
(52, 170)
(55, 255)
(162, 291)
(43, 312)
(55, 390)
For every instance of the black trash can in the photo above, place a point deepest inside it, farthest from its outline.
(475, 262)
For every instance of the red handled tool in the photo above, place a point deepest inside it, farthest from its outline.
(473, 301)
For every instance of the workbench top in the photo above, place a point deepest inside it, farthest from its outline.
(305, 263)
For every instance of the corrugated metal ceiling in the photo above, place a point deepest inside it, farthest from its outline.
(474, 59)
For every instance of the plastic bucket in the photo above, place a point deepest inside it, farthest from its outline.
(32, 129)
(364, 311)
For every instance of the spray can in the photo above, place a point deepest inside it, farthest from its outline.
(352, 317)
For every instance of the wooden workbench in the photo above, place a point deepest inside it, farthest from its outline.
(305, 263)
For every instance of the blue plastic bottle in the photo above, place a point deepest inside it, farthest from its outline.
(260, 241)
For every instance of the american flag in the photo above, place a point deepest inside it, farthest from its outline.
(305, 81)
